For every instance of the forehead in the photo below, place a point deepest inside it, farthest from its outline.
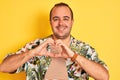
(61, 11)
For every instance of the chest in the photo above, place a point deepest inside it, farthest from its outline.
(36, 69)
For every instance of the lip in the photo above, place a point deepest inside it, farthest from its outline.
(61, 28)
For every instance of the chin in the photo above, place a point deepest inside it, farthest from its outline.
(61, 37)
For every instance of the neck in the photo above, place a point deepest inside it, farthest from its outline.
(66, 40)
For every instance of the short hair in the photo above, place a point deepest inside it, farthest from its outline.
(61, 4)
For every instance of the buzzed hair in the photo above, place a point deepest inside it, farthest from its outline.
(61, 4)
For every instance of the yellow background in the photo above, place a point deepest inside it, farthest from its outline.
(97, 22)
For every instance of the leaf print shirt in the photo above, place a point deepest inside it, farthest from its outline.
(37, 66)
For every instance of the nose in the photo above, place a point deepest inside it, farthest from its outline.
(61, 22)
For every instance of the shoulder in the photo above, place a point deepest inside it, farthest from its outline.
(39, 40)
(79, 43)
(36, 42)
(81, 47)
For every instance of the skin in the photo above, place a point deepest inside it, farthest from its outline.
(61, 24)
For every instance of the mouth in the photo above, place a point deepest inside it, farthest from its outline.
(61, 28)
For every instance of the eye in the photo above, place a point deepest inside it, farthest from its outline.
(55, 19)
(66, 18)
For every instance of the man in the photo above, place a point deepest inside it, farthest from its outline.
(81, 59)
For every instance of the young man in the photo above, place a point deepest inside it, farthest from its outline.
(81, 59)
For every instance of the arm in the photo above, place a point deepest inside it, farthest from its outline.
(95, 70)
(13, 62)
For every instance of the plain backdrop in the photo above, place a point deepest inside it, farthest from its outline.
(96, 22)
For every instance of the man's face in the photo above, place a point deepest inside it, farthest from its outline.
(61, 22)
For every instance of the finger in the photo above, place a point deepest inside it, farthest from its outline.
(57, 55)
(45, 44)
(43, 51)
(58, 42)
(50, 40)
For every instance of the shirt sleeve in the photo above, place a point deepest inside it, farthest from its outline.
(27, 47)
(91, 54)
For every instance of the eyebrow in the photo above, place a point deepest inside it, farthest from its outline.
(66, 17)
(55, 17)
(63, 16)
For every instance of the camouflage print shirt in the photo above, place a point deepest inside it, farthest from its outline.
(37, 66)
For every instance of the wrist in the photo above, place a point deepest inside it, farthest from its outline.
(31, 53)
(73, 58)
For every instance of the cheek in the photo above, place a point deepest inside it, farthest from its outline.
(53, 24)
(69, 25)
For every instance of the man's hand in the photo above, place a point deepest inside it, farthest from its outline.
(41, 50)
(66, 51)
(57, 49)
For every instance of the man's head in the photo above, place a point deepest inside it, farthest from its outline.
(61, 20)
(62, 4)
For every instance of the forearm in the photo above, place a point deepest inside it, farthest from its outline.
(95, 70)
(12, 62)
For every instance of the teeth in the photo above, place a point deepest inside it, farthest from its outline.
(61, 28)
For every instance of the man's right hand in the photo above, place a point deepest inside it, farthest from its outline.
(41, 50)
